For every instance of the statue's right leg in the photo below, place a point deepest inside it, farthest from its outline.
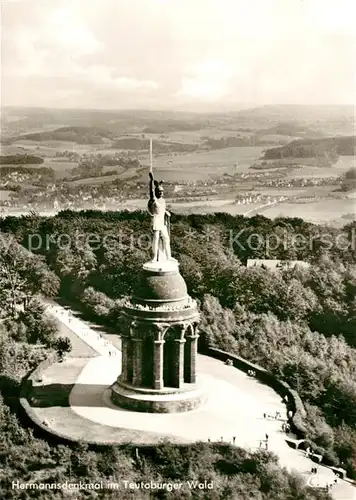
(155, 246)
(166, 243)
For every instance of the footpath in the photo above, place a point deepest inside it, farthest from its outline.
(82, 329)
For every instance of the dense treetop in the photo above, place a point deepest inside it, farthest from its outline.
(27, 336)
(306, 148)
(300, 323)
(20, 159)
(80, 135)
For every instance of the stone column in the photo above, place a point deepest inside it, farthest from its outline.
(124, 359)
(137, 361)
(192, 351)
(158, 364)
(178, 373)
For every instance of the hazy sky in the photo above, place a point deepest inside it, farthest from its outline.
(177, 53)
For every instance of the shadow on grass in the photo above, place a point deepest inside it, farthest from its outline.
(10, 391)
(50, 395)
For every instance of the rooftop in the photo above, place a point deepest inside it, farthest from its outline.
(274, 264)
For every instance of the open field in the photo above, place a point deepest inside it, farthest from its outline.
(4, 195)
(94, 181)
(61, 168)
(227, 206)
(191, 167)
(213, 176)
(198, 136)
(203, 166)
(13, 150)
(327, 211)
(338, 168)
(321, 211)
(333, 211)
(227, 157)
(49, 148)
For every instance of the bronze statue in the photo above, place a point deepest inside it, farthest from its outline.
(160, 221)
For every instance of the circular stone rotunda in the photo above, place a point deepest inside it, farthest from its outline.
(159, 331)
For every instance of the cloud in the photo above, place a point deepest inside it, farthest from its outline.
(65, 30)
(97, 75)
(171, 51)
(105, 76)
(57, 50)
(55, 38)
(208, 80)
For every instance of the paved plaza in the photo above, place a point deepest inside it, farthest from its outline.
(234, 411)
(234, 408)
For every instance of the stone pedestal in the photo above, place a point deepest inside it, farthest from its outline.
(159, 344)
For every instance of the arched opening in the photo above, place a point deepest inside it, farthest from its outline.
(168, 362)
(188, 355)
(147, 362)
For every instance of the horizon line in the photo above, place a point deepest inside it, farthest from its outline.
(224, 109)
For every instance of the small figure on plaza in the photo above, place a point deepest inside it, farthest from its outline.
(161, 247)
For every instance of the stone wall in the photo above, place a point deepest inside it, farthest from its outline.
(30, 414)
(295, 403)
(27, 382)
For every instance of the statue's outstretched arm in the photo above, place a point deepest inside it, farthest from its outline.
(152, 189)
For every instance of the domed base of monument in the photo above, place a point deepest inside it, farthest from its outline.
(160, 283)
(168, 400)
(160, 294)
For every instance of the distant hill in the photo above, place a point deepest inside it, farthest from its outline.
(80, 135)
(166, 126)
(329, 120)
(139, 144)
(298, 112)
(293, 129)
(312, 148)
(92, 126)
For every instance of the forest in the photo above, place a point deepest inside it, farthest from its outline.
(80, 135)
(20, 159)
(348, 180)
(299, 323)
(27, 336)
(34, 171)
(314, 148)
